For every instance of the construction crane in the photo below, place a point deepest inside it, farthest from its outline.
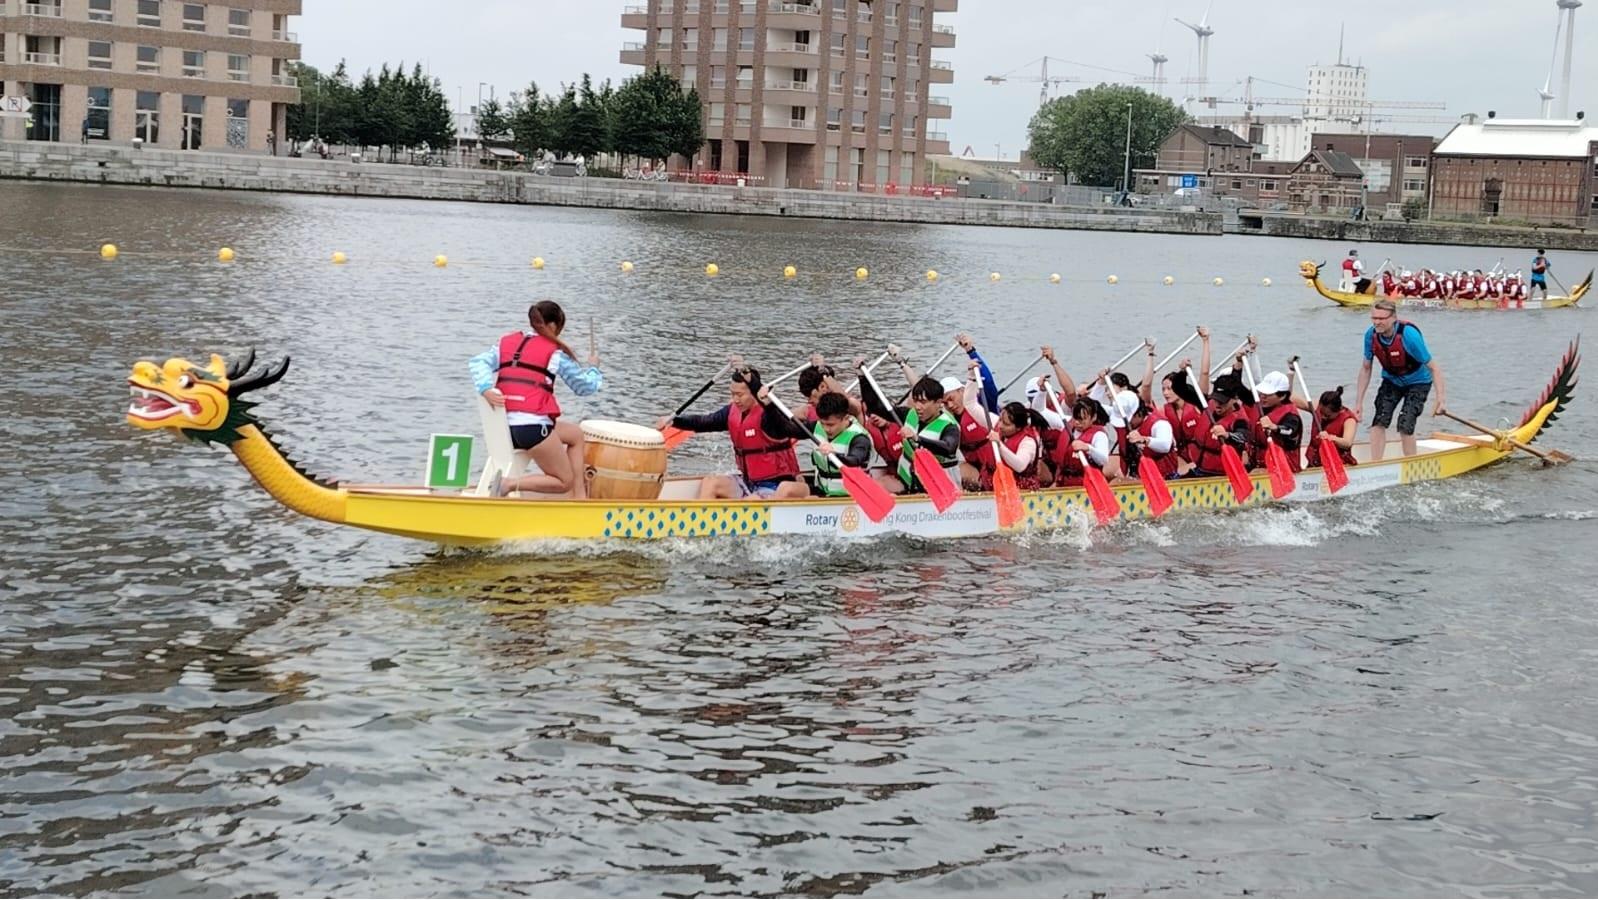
(1360, 107)
(1045, 78)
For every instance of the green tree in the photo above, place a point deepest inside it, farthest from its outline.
(430, 118)
(301, 116)
(586, 126)
(654, 117)
(685, 126)
(558, 118)
(493, 121)
(1085, 134)
(528, 130)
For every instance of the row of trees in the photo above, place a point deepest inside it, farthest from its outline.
(1084, 134)
(390, 109)
(650, 116)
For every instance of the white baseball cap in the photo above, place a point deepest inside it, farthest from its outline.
(1125, 407)
(951, 384)
(1273, 383)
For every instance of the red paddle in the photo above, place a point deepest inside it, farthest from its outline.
(871, 497)
(1006, 493)
(1105, 505)
(940, 489)
(1281, 471)
(1148, 472)
(1331, 459)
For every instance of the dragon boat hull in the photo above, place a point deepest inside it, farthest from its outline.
(464, 520)
(1349, 298)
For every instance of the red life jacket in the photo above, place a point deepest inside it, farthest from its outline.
(888, 446)
(524, 375)
(1278, 414)
(1348, 266)
(1165, 462)
(1393, 357)
(1335, 426)
(1209, 446)
(1189, 425)
(759, 457)
(1026, 480)
(1067, 468)
(1389, 286)
(974, 441)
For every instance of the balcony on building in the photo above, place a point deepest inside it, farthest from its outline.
(45, 10)
(632, 53)
(638, 16)
(942, 37)
(942, 72)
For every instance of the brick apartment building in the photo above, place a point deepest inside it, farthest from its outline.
(172, 74)
(829, 94)
(1528, 170)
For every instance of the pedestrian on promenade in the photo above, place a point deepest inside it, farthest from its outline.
(271, 141)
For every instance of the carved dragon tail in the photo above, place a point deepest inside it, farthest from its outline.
(1561, 388)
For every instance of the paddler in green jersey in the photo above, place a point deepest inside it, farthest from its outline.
(837, 433)
(927, 426)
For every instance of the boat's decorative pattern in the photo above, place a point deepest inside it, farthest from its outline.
(721, 521)
(1414, 470)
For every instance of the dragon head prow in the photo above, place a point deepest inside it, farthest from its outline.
(1308, 270)
(201, 402)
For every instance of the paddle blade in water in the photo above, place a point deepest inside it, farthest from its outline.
(1332, 466)
(872, 498)
(675, 436)
(1154, 485)
(1105, 504)
(940, 490)
(1007, 496)
(1236, 473)
(1281, 471)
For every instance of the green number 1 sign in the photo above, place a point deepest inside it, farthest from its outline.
(449, 461)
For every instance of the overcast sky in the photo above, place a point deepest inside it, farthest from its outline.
(1473, 55)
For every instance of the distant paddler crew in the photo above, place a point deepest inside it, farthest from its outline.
(518, 374)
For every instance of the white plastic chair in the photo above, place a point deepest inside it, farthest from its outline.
(502, 456)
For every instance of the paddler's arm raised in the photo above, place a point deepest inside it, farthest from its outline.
(1067, 386)
(990, 388)
(774, 424)
(584, 381)
(716, 421)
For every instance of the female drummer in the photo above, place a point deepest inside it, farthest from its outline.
(519, 374)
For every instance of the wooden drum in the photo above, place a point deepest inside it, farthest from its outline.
(624, 462)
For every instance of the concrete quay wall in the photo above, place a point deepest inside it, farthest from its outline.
(1455, 233)
(120, 165)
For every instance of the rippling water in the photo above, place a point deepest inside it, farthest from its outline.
(205, 694)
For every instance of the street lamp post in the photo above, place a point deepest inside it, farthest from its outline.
(1126, 175)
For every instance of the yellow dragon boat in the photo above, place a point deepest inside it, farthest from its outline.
(207, 404)
(1312, 276)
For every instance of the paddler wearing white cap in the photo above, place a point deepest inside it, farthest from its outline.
(1279, 420)
(962, 401)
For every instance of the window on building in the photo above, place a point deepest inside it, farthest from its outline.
(238, 124)
(746, 77)
(798, 116)
(721, 6)
(830, 178)
(194, 17)
(890, 50)
(690, 39)
(238, 22)
(46, 112)
(718, 38)
(890, 13)
(887, 85)
(1237, 184)
(915, 15)
(150, 13)
(718, 114)
(907, 169)
(857, 121)
(194, 63)
(839, 43)
(885, 123)
(836, 79)
(663, 37)
(840, 9)
(1268, 185)
(862, 84)
(718, 76)
(884, 174)
(862, 46)
(690, 74)
(1414, 185)
(100, 10)
(801, 76)
(746, 39)
(1415, 162)
(147, 116)
(97, 122)
(148, 60)
(99, 54)
(193, 121)
(743, 113)
(913, 53)
(834, 120)
(238, 67)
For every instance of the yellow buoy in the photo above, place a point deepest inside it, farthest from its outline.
(1054, 278)
(1265, 282)
(108, 251)
(440, 261)
(1219, 281)
(538, 262)
(626, 265)
(1112, 279)
(1169, 280)
(994, 276)
(339, 258)
(789, 271)
(932, 274)
(712, 270)
(225, 254)
(862, 273)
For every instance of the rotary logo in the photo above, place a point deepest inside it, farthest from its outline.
(849, 520)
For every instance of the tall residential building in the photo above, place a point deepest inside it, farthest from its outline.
(1336, 99)
(829, 94)
(174, 75)
(1337, 93)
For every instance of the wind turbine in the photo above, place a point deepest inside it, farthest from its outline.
(1159, 59)
(1546, 94)
(1202, 31)
(1570, 36)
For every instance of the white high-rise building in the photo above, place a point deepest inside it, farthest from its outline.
(1337, 93)
(1336, 100)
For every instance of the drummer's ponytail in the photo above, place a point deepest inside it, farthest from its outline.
(548, 319)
